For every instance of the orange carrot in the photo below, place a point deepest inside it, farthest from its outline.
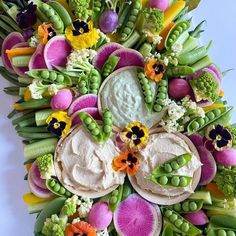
(214, 190)
(19, 52)
(164, 34)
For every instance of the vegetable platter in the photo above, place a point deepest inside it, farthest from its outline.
(123, 119)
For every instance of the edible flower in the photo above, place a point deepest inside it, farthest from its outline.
(220, 137)
(81, 34)
(135, 135)
(59, 123)
(80, 228)
(27, 16)
(126, 162)
(45, 32)
(154, 69)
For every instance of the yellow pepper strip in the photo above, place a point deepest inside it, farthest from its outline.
(31, 199)
(221, 93)
(173, 11)
(213, 106)
(19, 52)
(27, 95)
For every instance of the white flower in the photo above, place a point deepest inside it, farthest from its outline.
(177, 48)
(103, 233)
(84, 206)
(76, 220)
(166, 61)
(33, 41)
(103, 36)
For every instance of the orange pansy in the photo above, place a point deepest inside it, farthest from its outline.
(154, 69)
(80, 228)
(45, 32)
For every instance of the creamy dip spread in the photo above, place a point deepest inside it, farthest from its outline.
(86, 165)
(161, 148)
(123, 96)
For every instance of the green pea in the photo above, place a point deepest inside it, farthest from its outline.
(163, 83)
(148, 93)
(185, 206)
(201, 121)
(168, 213)
(113, 200)
(83, 90)
(181, 160)
(206, 119)
(171, 41)
(60, 78)
(68, 194)
(62, 191)
(167, 167)
(94, 85)
(95, 79)
(177, 207)
(57, 24)
(162, 89)
(130, 24)
(195, 125)
(45, 74)
(157, 107)
(94, 91)
(174, 165)
(173, 218)
(107, 121)
(145, 81)
(161, 95)
(135, 12)
(148, 99)
(115, 192)
(178, 223)
(123, 36)
(82, 84)
(146, 86)
(173, 37)
(217, 112)
(141, 75)
(230, 233)
(183, 182)
(95, 132)
(136, 5)
(193, 206)
(57, 187)
(97, 4)
(92, 126)
(107, 114)
(132, 18)
(176, 32)
(163, 180)
(184, 25)
(210, 115)
(88, 120)
(107, 129)
(185, 227)
(52, 183)
(53, 75)
(180, 29)
(96, 9)
(175, 181)
(127, 30)
(221, 232)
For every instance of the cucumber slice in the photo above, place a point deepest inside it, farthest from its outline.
(21, 61)
(41, 116)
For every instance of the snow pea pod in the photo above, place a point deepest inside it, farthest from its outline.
(190, 44)
(110, 65)
(187, 206)
(204, 62)
(176, 71)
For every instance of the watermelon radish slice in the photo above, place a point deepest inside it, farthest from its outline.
(37, 60)
(128, 57)
(104, 52)
(93, 111)
(197, 139)
(37, 191)
(216, 70)
(35, 176)
(56, 52)
(11, 40)
(159, 220)
(88, 100)
(135, 216)
(21, 70)
(208, 166)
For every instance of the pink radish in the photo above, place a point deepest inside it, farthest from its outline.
(160, 4)
(226, 157)
(216, 70)
(88, 100)
(197, 139)
(35, 176)
(179, 88)
(62, 100)
(100, 216)
(37, 60)
(197, 218)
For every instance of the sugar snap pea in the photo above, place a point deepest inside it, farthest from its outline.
(210, 118)
(129, 25)
(217, 231)
(190, 44)
(176, 71)
(91, 125)
(204, 62)
(146, 89)
(98, 6)
(173, 164)
(187, 206)
(179, 224)
(107, 124)
(56, 187)
(110, 65)
(224, 221)
(115, 198)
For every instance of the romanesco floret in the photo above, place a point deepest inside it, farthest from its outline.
(70, 206)
(54, 226)
(151, 20)
(45, 165)
(226, 182)
(205, 87)
(233, 133)
(81, 9)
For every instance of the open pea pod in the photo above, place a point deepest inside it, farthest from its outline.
(115, 198)
(218, 231)
(178, 34)
(215, 116)
(50, 76)
(187, 206)
(179, 224)
(173, 164)
(110, 65)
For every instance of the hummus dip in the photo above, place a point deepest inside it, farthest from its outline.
(163, 147)
(122, 94)
(84, 166)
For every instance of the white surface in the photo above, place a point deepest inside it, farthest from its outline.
(14, 219)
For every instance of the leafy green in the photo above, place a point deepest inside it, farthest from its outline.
(192, 4)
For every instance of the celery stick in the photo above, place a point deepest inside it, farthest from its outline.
(41, 116)
(32, 151)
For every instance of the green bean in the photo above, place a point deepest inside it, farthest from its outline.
(22, 118)
(176, 71)
(32, 129)
(35, 103)
(10, 21)
(12, 114)
(6, 27)
(55, 187)
(123, 15)
(115, 198)
(107, 124)
(28, 122)
(110, 65)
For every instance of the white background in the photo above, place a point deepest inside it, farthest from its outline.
(14, 219)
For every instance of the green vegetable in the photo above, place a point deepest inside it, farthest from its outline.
(232, 130)
(176, 71)
(218, 231)
(98, 6)
(41, 116)
(204, 62)
(30, 135)
(46, 166)
(35, 103)
(110, 65)
(81, 9)
(36, 208)
(54, 226)
(224, 221)
(192, 4)
(226, 182)
(115, 198)
(133, 39)
(70, 205)
(187, 206)
(107, 124)
(196, 33)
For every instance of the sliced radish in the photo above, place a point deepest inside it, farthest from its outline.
(216, 70)
(197, 139)
(135, 216)
(11, 40)
(208, 166)
(197, 218)
(226, 157)
(93, 111)
(88, 100)
(159, 220)
(128, 57)
(35, 176)
(37, 60)
(56, 51)
(104, 52)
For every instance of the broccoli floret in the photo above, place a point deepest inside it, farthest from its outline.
(45, 165)
(205, 87)
(81, 9)
(151, 20)
(70, 206)
(226, 182)
(54, 226)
